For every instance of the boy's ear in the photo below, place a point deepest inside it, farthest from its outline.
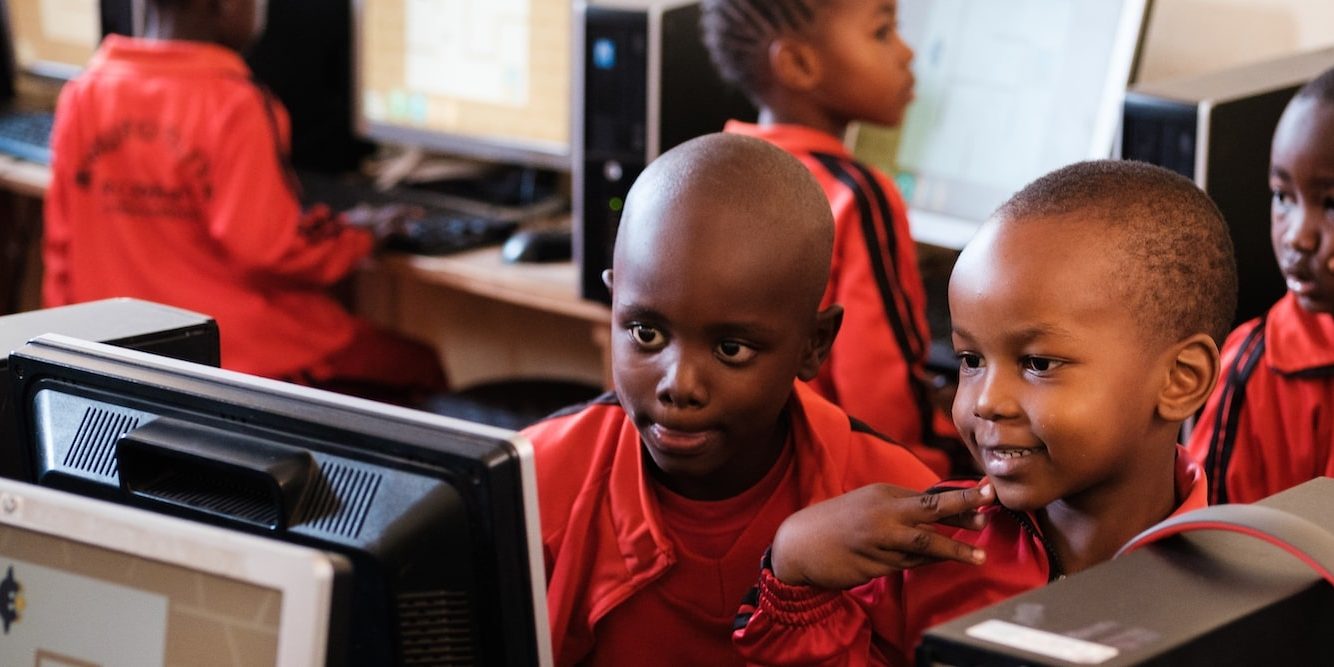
(606, 278)
(794, 64)
(1190, 379)
(827, 323)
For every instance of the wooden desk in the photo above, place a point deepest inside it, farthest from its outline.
(491, 320)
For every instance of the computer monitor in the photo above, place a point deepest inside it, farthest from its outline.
(437, 517)
(87, 582)
(54, 38)
(1005, 92)
(488, 79)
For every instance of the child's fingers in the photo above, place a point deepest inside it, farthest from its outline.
(936, 507)
(912, 546)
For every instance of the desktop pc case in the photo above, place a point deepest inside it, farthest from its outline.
(644, 84)
(130, 323)
(1216, 129)
(1204, 597)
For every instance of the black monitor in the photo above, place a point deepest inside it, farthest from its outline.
(437, 517)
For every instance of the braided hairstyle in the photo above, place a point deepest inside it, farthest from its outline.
(738, 33)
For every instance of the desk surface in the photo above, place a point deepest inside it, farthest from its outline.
(23, 177)
(552, 287)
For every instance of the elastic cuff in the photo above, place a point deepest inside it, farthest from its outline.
(795, 605)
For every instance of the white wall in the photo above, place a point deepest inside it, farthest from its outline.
(1187, 37)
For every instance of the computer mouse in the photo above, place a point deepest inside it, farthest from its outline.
(538, 245)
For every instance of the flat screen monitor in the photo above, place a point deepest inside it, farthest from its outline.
(1006, 92)
(437, 517)
(54, 38)
(488, 79)
(87, 582)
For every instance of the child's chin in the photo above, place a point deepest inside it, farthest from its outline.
(1019, 498)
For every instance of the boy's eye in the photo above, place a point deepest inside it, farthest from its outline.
(883, 32)
(734, 352)
(647, 337)
(1281, 198)
(1041, 365)
(969, 361)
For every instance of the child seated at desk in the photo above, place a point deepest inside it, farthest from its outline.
(1270, 423)
(813, 68)
(170, 183)
(1085, 316)
(658, 500)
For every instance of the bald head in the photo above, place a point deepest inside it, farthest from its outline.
(740, 201)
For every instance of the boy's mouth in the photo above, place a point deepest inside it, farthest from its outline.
(679, 442)
(1003, 460)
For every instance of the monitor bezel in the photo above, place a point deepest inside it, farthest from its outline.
(539, 154)
(304, 577)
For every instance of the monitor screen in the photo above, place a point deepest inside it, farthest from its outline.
(1006, 92)
(437, 517)
(86, 582)
(481, 78)
(54, 38)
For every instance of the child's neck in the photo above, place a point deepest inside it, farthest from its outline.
(1090, 527)
(798, 112)
(179, 26)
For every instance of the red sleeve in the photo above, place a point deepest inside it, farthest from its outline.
(254, 213)
(803, 625)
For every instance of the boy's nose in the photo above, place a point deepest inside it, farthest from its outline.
(1302, 230)
(993, 399)
(682, 383)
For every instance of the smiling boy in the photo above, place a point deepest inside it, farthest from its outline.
(658, 500)
(1085, 316)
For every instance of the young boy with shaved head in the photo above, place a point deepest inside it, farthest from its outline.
(659, 499)
(1086, 316)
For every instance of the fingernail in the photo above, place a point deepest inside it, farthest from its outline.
(985, 490)
(979, 556)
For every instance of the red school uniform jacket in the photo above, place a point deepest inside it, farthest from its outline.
(169, 184)
(607, 548)
(881, 622)
(1269, 424)
(876, 369)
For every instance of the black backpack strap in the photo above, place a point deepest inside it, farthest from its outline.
(1224, 436)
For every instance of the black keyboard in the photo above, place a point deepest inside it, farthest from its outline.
(27, 135)
(445, 232)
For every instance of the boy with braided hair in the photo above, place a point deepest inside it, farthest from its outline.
(812, 67)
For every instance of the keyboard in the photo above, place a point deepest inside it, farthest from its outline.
(445, 232)
(27, 135)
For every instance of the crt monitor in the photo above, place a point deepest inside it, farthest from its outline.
(1005, 92)
(487, 79)
(437, 517)
(87, 582)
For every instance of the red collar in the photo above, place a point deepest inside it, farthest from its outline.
(795, 138)
(1297, 340)
(168, 55)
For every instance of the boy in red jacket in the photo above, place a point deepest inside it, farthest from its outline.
(1270, 423)
(813, 68)
(658, 500)
(1085, 316)
(170, 183)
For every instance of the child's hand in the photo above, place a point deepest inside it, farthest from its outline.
(873, 531)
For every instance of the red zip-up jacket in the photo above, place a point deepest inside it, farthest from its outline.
(1269, 424)
(881, 622)
(605, 542)
(876, 369)
(169, 184)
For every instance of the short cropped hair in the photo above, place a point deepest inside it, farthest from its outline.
(737, 34)
(1321, 88)
(1179, 266)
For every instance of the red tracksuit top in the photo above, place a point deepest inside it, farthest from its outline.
(169, 184)
(881, 622)
(605, 542)
(1269, 424)
(876, 369)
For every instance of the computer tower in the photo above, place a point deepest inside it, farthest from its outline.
(643, 85)
(1216, 129)
(1205, 597)
(131, 323)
